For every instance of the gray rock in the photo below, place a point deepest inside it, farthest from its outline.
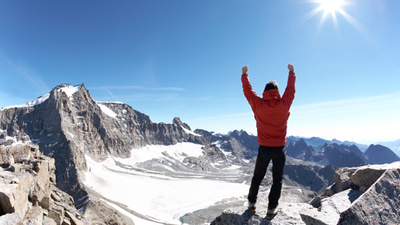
(365, 176)
(32, 186)
(10, 219)
(343, 178)
(380, 204)
(14, 190)
(34, 216)
(97, 212)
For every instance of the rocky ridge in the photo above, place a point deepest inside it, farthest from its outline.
(28, 194)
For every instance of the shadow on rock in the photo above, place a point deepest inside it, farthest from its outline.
(235, 219)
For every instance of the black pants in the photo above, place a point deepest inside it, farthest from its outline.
(265, 154)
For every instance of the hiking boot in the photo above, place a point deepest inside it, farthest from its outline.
(252, 207)
(271, 213)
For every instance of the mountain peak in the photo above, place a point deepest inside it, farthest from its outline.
(69, 89)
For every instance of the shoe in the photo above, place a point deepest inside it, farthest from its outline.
(271, 213)
(252, 207)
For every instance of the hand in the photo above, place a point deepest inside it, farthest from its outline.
(290, 67)
(245, 69)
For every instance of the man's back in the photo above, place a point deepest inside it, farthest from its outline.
(271, 112)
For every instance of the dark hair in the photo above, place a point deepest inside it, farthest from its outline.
(271, 85)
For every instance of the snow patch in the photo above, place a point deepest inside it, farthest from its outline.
(69, 89)
(387, 166)
(178, 151)
(107, 111)
(190, 132)
(31, 103)
(71, 134)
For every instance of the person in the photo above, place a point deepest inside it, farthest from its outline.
(271, 113)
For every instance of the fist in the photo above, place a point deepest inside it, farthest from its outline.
(290, 67)
(245, 69)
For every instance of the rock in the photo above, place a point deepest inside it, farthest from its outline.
(98, 213)
(56, 213)
(365, 176)
(73, 219)
(380, 204)
(34, 216)
(28, 197)
(10, 219)
(312, 216)
(371, 199)
(14, 154)
(48, 221)
(342, 178)
(14, 191)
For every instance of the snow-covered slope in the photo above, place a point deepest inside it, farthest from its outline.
(154, 196)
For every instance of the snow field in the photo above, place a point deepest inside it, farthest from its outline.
(178, 151)
(161, 198)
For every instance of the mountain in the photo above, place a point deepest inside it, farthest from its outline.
(335, 155)
(69, 125)
(393, 145)
(378, 154)
(339, 155)
(318, 143)
(300, 150)
(249, 141)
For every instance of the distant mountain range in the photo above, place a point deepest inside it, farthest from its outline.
(317, 143)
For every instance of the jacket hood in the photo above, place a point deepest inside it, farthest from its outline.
(271, 94)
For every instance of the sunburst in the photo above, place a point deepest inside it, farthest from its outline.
(332, 7)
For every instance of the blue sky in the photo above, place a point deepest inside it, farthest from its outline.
(183, 58)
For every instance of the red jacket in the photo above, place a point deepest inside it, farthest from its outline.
(271, 112)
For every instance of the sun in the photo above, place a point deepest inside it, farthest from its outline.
(331, 5)
(329, 8)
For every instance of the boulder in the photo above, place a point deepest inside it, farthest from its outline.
(14, 191)
(10, 219)
(365, 176)
(379, 205)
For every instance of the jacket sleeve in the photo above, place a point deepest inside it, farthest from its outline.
(250, 95)
(288, 96)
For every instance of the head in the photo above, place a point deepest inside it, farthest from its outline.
(271, 85)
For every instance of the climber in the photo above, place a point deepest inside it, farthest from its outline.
(271, 113)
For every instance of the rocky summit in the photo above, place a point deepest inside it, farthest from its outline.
(360, 195)
(60, 154)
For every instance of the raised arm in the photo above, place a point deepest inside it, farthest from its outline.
(288, 96)
(250, 95)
